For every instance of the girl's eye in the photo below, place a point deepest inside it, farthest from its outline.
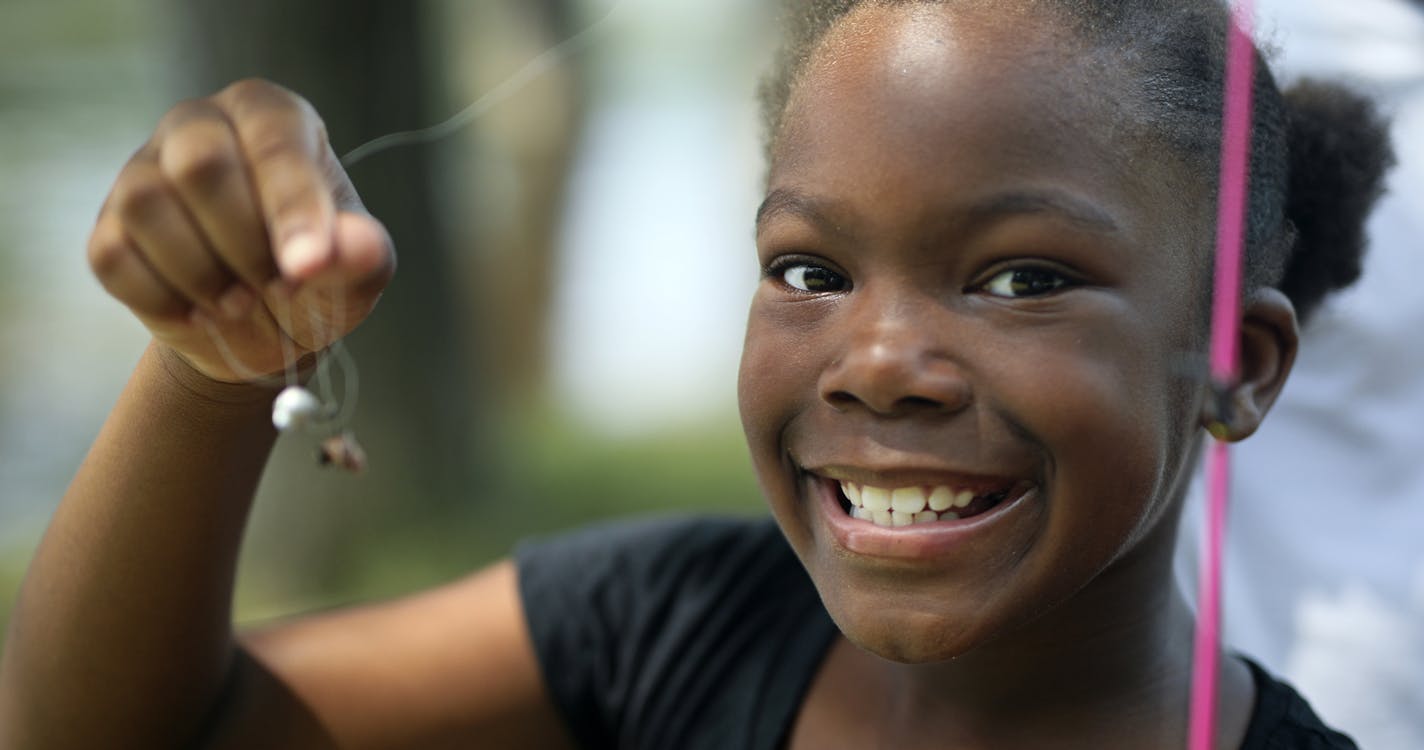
(815, 279)
(1025, 282)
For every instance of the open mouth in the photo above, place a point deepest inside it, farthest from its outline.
(909, 506)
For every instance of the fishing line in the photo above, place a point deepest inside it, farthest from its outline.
(1225, 336)
(231, 359)
(296, 407)
(289, 348)
(540, 65)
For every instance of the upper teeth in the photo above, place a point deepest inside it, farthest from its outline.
(902, 506)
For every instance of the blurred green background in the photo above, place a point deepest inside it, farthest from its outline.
(560, 343)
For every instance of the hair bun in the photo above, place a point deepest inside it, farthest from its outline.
(1339, 153)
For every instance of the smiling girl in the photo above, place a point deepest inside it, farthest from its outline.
(966, 389)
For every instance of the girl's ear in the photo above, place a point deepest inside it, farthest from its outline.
(1269, 339)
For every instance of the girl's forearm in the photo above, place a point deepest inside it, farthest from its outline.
(122, 633)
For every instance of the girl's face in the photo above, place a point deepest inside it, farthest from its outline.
(971, 292)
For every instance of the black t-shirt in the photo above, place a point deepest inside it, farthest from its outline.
(690, 633)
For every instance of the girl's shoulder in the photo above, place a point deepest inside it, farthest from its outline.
(673, 631)
(1283, 720)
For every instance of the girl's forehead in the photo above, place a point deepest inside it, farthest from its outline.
(921, 74)
(929, 54)
(916, 34)
(927, 109)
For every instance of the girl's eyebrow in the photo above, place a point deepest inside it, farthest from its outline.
(794, 202)
(996, 207)
(1042, 201)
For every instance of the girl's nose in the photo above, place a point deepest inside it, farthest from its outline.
(894, 366)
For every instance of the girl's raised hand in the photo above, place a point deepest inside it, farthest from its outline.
(236, 237)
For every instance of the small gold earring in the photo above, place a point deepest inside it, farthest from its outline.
(1220, 403)
(1219, 430)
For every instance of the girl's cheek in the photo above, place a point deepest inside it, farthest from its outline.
(782, 339)
(753, 379)
(1104, 408)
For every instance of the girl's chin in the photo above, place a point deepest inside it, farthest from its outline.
(907, 650)
(907, 637)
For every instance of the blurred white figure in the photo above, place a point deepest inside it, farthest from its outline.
(1325, 555)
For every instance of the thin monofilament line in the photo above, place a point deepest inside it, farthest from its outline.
(289, 347)
(350, 382)
(540, 65)
(231, 359)
(339, 416)
(335, 416)
(323, 370)
(1226, 312)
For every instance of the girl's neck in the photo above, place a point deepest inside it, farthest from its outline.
(1091, 663)
(1109, 668)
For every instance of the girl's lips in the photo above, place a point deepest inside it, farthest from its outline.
(918, 542)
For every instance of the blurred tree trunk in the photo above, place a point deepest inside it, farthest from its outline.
(363, 65)
(527, 146)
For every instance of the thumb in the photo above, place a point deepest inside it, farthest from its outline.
(345, 291)
(365, 257)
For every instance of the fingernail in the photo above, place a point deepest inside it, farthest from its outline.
(301, 253)
(236, 302)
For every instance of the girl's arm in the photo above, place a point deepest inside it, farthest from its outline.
(122, 633)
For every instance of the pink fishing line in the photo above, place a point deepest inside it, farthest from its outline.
(1226, 309)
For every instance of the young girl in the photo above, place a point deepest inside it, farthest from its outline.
(967, 389)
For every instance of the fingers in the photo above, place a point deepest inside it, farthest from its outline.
(197, 212)
(180, 230)
(234, 205)
(157, 222)
(289, 160)
(201, 159)
(125, 274)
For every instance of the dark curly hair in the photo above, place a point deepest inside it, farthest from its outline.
(1319, 151)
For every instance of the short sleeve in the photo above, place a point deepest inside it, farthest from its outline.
(673, 632)
(1282, 720)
